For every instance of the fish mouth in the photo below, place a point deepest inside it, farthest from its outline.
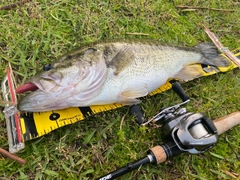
(35, 101)
(29, 86)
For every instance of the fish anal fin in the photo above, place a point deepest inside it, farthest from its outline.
(189, 72)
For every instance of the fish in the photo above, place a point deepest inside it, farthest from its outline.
(114, 71)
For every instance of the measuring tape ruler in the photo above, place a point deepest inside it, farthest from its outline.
(34, 125)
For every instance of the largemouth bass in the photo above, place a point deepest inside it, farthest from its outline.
(114, 72)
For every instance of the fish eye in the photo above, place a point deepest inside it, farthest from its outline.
(47, 67)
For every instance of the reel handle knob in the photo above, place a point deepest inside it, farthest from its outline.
(136, 111)
(177, 88)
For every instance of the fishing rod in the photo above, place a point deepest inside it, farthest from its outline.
(201, 135)
(182, 131)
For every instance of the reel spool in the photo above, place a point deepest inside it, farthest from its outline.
(198, 131)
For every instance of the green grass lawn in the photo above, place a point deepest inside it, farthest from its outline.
(39, 31)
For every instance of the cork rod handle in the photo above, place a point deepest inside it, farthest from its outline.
(227, 122)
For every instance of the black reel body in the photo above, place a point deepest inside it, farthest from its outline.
(191, 132)
(195, 133)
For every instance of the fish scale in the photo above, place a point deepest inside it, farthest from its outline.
(116, 71)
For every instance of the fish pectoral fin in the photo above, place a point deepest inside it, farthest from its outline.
(121, 60)
(189, 72)
(129, 96)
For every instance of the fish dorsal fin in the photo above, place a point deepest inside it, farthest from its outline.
(189, 72)
(121, 60)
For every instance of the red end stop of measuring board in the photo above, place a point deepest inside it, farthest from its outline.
(11, 113)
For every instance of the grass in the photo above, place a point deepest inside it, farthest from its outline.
(39, 31)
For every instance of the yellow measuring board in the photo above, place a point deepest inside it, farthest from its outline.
(34, 125)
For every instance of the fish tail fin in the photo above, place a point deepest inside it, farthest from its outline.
(211, 56)
(209, 63)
